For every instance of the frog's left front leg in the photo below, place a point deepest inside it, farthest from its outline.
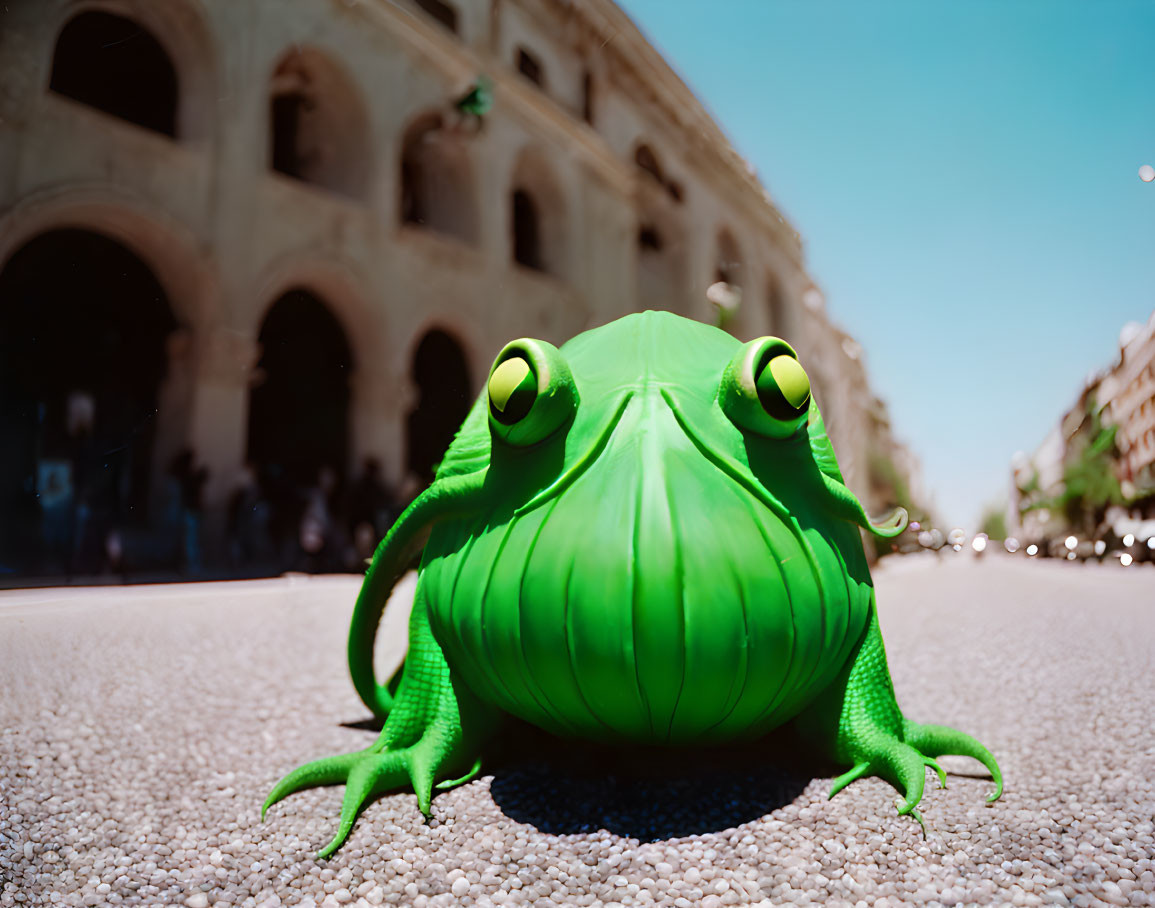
(859, 723)
(434, 733)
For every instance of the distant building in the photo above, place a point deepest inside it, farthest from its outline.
(1122, 396)
(1127, 396)
(273, 234)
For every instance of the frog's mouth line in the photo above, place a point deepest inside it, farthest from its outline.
(841, 501)
(724, 464)
(583, 463)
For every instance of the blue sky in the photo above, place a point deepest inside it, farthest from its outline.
(964, 177)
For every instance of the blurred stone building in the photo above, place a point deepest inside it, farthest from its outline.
(269, 234)
(1127, 395)
(1121, 396)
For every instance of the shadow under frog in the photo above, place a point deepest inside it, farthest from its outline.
(640, 539)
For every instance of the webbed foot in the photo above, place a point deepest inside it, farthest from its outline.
(434, 732)
(859, 723)
(902, 761)
(368, 773)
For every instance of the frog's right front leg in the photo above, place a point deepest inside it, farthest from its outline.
(433, 734)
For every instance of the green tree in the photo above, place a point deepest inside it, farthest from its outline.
(994, 523)
(1089, 484)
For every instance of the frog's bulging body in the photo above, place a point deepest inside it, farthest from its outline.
(641, 537)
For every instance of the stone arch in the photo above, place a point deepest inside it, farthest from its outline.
(331, 279)
(538, 213)
(647, 161)
(84, 324)
(437, 185)
(101, 47)
(166, 246)
(298, 424)
(440, 373)
(530, 66)
(318, 124)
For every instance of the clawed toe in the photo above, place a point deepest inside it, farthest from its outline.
(903, 763)
(365, 774)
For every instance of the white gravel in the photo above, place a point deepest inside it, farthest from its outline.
(141, 728)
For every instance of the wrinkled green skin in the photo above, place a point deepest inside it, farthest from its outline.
(659, 567)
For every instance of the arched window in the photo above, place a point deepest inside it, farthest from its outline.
(441, 374)
(526, 236)
(588, 97)
(114, 64)
(530, 67)
(437, 180)
(649, 239)
(298, 412)
(537, 216)
(645, 158)
(318, 129)
(443, 12)
(83, 326)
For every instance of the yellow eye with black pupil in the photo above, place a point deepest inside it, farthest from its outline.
(512, 390)
(783, 387)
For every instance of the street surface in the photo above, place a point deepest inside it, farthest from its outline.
(141, 728)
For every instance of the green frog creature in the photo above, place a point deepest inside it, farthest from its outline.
(642, 537)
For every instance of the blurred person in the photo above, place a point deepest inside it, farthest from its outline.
(368, 513)
(369, 500)
(318, 533)
(247, 527)
(56, 513)
(191, 480)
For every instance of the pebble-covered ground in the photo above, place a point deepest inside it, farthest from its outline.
(141, 728)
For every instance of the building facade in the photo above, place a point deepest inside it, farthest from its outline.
(274, 235)
(1121, 396)
(1127, 395)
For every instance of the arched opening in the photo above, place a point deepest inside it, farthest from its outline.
(298, 407)
(647, 162)
(645, 158)
(537, 216)
(318, 128)
(526, 235)
(530, 67)
(441, 375)
(114, 64)
(83, 323)
(442, 12)
(437, 180)
(588, 97)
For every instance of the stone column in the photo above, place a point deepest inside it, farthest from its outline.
(378, 405)
(218, 421)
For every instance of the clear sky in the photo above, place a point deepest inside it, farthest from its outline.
(965, 180)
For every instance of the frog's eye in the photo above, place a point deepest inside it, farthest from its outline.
(765, 389)
(531, 392)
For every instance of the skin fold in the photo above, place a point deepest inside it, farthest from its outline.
(641, 538)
